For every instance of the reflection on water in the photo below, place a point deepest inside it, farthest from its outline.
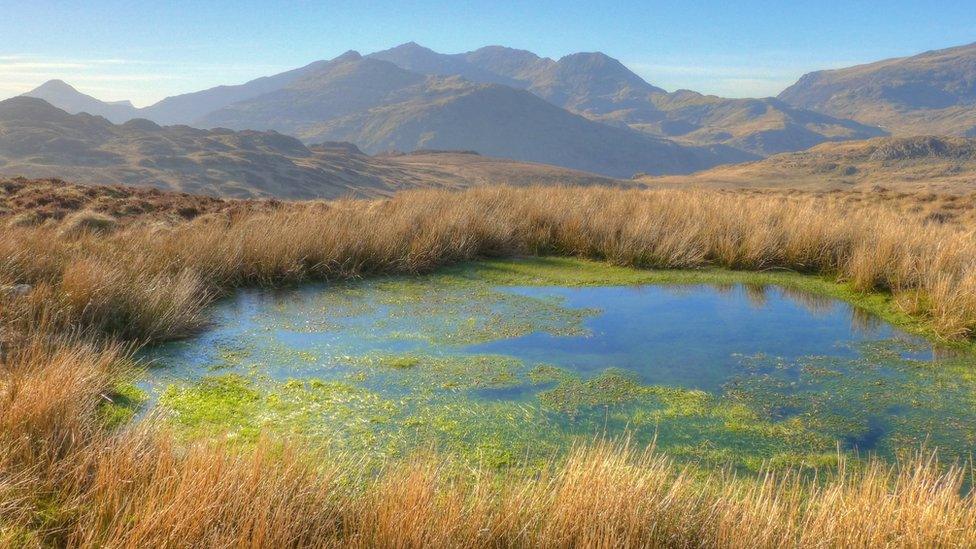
(739, 373)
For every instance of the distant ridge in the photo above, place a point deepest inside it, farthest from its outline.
(931, 163)
(39, 140)
(930, 93)
(60, 93)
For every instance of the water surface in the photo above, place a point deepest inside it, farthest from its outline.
(507, 373)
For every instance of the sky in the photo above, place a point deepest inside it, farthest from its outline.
(145, 51)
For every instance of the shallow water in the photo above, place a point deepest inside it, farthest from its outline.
(506, 374)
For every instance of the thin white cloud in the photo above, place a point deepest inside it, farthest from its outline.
(35, 65)
(733, 76)
(142, 81)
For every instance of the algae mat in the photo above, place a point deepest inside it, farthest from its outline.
(511, 362)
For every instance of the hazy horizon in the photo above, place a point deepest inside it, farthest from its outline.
(118, 51)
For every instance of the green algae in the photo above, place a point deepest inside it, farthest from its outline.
(610, 387)
(457, 373)
(343, 417)
(690, 424)
(121, 404)
(385, 404)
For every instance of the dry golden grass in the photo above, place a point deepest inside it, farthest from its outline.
(150, 282)
(65, 480)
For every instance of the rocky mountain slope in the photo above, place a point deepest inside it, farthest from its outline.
(930, 93)
(942, 164)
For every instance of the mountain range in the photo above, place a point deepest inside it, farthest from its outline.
(381, 106)
(602, 89)
(39, 140)
(585, 111)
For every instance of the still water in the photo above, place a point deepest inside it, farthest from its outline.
(506, 374)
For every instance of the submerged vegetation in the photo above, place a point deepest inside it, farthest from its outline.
(73, 473)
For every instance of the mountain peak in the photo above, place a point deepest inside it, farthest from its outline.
(594, 59)
(351, 55)
(62, 95)
(55, 85)
(410, 47)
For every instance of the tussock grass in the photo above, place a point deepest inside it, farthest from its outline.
(154, 280)
(87, 221)
(66, 480)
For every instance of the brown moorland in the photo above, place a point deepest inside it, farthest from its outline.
(944, 165)
(67, 480)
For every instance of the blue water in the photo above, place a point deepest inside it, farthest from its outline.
(690, 336)
(803, 373)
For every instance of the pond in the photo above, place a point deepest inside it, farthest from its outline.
(505, 363)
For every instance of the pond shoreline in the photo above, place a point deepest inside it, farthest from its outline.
(227, 399)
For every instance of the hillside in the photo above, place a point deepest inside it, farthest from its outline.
(592, 84)
(388, 88)
(65, 97)
(380, 106)
(601, 88)
(40, 141)
(930, 93)
(25, 202)
(942, 164)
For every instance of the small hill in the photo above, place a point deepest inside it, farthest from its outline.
(941, 164)
(38, 140)
(58, 92)
(36, 201)
(930, 93)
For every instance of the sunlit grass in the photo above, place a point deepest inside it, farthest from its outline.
(68, 479)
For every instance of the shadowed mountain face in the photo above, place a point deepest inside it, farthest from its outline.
(39, 140)
(381, 106)
(601, 88)
(944, 164)
(934, 92)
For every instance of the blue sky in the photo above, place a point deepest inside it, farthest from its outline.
(145, 51)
